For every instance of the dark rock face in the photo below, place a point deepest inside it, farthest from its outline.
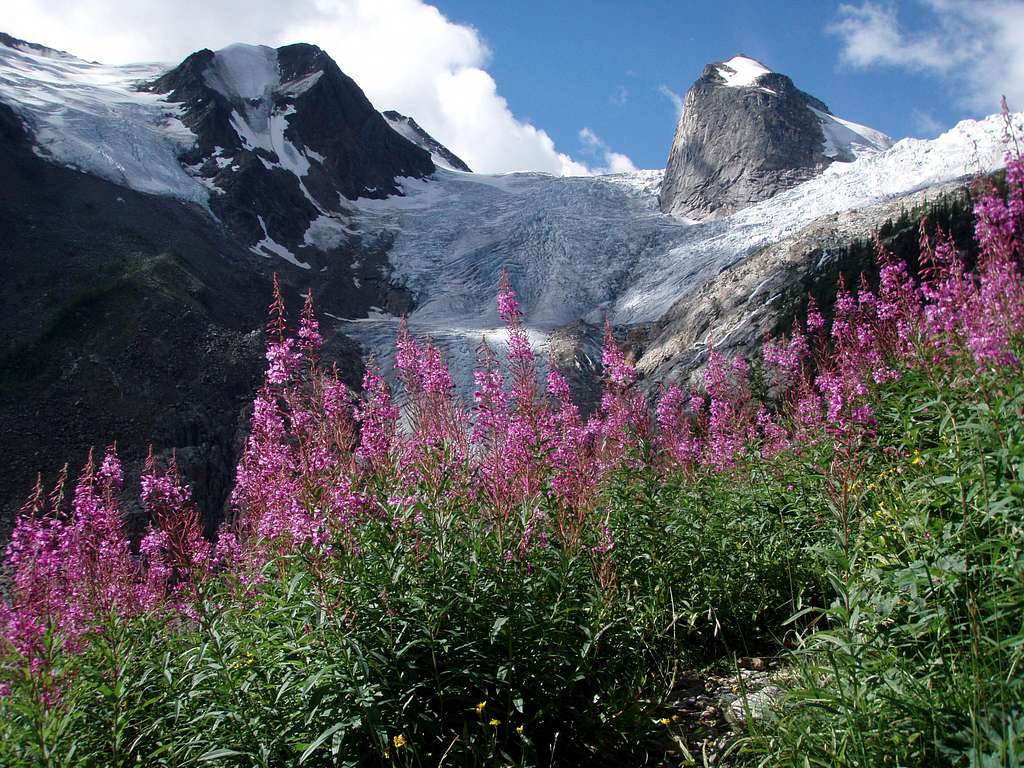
(283, 138)
(411, 130)
(741, 139)
(136, 318)
(142, 335)
(42, 50)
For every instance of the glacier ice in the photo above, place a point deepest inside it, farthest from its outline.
(590, 247)
(91, 117)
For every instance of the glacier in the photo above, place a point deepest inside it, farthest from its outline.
(595, 247)
(92, 117)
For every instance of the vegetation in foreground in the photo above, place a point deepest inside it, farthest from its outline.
(508, 583)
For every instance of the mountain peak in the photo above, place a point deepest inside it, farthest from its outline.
(747, 133)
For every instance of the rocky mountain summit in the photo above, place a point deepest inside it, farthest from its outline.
(283, 139)
(747, 133)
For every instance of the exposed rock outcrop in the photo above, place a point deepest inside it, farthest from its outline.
(747, 133)
(757, 297)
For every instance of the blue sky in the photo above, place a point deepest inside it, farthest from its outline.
(601, 64)
(574, 86)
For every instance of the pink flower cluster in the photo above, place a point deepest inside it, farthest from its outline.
(73, 565)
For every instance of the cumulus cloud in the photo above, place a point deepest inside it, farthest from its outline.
(405, 54)
(613, 162)
(978, 45)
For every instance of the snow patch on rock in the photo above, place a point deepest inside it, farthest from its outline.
(846, 140)
(327, 233)
(244, 72)
(268, 247)
(742, 71)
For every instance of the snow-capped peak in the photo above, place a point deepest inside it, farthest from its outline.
(741, 71)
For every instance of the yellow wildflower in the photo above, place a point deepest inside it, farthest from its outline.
(480, 707)
(519, 730)
(665, 721)
(399, 741)
(495, 722)
(917, 461)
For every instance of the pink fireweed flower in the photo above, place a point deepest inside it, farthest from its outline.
(282, 362)
(774, 438)
(435, 377)
(378, 421)
(174, 550)
(71, 570)
(522, 362)
(110, 474)
(618, 372)
(815, 320)
(310, 340)
(491, 431)
(730, 419)
(675, 432)
(490, 404)
(408, 357)
(623, 417)
(508, 303)
(573, 478)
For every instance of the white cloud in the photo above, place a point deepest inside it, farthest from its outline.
(675, 98)
(619, 96)
(405, 54)
(926, 123)
(977, 45)
(614, 162)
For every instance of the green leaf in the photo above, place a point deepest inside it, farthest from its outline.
(319, 740)
(216, 754)
(498, 624)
